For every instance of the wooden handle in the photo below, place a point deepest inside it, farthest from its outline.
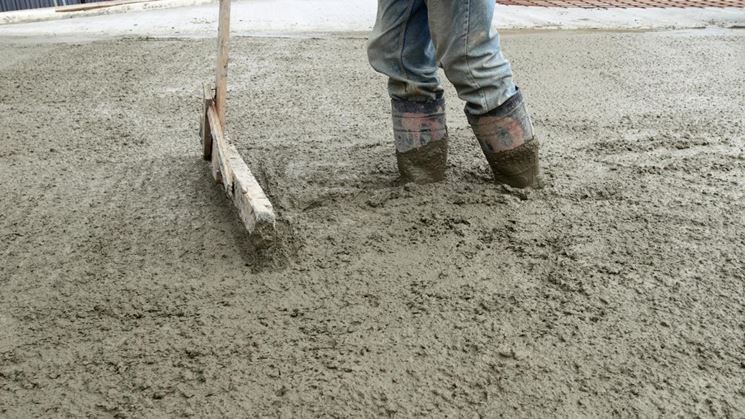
(221, 78)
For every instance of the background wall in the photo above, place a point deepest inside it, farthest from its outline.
(10, 5)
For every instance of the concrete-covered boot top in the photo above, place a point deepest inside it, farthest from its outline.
(421, 138)
(506, 137)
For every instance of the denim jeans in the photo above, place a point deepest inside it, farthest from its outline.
(412, 38)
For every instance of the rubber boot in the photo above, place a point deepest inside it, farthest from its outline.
(506, 137)
(421, 138)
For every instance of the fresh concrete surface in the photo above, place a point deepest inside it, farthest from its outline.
(128, 287)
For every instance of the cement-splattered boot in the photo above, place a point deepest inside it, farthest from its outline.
(506, 137)
(421, 137)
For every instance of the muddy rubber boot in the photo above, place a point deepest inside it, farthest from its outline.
(421, 138)
(506, 137)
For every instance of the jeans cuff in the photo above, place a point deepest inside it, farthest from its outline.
(427, 107)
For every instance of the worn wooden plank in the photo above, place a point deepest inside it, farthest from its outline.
(254, 208)
(215, 164)
(220, 168)
(228, 168)
(205, 134)
(221, 76)
(208, 98)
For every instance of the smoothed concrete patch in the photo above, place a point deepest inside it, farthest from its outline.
(252, 17)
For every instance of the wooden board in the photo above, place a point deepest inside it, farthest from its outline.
(254, 208)
(228, 168)
(208, 98)
(221, 74)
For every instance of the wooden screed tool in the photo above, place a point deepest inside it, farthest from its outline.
(228, 168)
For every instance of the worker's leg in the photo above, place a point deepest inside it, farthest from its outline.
(400, 47)
(469, 51)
